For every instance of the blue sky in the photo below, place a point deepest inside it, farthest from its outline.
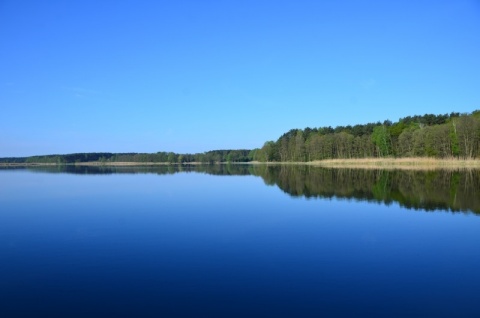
(192, 76)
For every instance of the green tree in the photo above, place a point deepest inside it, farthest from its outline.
(299, 147)
(171, 157)
(381, 138)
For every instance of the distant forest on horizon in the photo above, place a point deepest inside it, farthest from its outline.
(451, 135)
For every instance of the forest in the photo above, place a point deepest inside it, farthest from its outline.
(451, 135)
(159, 157)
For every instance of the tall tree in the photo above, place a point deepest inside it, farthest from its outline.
(381, 138)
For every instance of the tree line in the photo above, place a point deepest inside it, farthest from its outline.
(452, 135)
(208, 157)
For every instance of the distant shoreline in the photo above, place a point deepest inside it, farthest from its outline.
(365, 163)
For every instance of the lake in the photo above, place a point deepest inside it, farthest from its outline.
(238, 241)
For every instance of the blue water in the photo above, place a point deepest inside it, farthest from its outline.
(200, 245)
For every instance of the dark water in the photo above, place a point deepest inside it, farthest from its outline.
(238, 241)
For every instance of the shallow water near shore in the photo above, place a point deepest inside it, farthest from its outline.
(238, 241)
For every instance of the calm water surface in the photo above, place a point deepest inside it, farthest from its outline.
(238, 241)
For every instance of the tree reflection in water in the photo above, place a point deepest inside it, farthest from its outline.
(450, 190)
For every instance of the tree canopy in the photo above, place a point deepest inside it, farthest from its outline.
(451, 135)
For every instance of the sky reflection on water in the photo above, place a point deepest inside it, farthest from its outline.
(191, 244)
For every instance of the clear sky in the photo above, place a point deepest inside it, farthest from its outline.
(192, 76)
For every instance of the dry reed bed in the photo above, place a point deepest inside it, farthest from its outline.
(399, 163)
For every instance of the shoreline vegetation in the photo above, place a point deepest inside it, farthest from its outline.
(428, 141)
(364, 163)
(399, 163)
